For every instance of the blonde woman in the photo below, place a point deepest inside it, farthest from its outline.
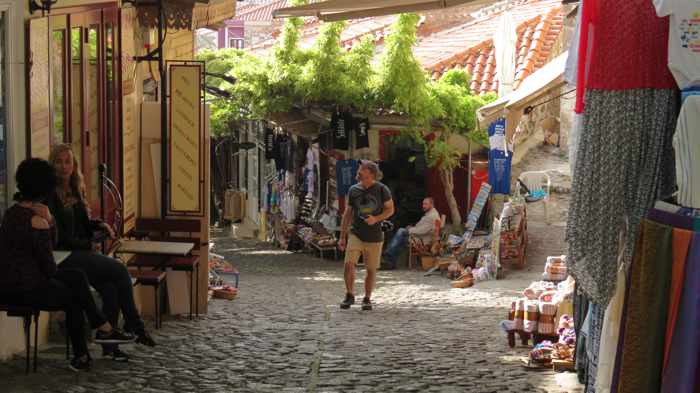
(76, 232)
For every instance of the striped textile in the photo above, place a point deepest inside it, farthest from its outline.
(532, 316)
(546, 323)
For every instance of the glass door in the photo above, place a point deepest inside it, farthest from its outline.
(59, 66)
(95, 100)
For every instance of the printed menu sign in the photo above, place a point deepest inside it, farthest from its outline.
(185, 138)
(131, 174)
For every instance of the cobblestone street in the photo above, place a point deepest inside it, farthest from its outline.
(286, 333)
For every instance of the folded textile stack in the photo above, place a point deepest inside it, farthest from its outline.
(537, 288)
(532, 316)
(546, 324)
(555, 269)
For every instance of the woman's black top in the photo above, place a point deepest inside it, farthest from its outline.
(75, 229)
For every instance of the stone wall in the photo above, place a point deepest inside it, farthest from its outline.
(535, 127)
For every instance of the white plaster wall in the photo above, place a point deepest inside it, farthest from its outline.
(11, 334)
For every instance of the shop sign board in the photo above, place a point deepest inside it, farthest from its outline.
(185, 144)
(130, 160)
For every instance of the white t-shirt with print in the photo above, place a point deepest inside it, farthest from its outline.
(683, 39)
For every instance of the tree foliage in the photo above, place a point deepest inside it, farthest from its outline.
(402, 84)
(327, 74)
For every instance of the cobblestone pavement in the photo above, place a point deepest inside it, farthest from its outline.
(285, 333)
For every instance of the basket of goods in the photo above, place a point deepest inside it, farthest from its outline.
(540, 357)
(225, 292)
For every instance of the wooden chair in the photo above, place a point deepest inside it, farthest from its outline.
(170, 230)
(151, 278)
(417, 248)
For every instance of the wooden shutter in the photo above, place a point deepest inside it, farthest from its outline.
(39, 89)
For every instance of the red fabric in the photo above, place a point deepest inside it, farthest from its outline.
(681, 245)
(479, 177)
(629, 48)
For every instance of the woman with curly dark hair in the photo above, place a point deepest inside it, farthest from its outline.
(28, 273)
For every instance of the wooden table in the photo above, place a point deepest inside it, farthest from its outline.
(163, 251)
(154, 248)
(60, 256)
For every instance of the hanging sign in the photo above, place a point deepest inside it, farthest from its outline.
(131, 173)
(500, 158)
(185, 145)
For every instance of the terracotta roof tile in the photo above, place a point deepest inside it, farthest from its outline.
(538, 25)
(469, 45)
(260, 12)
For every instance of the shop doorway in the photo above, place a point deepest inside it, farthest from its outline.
(84, 79)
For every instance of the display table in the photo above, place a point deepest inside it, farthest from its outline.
(154, 248)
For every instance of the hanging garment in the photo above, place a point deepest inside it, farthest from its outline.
(645, 325)
(626, 31)
(277, 153)
(610, 50)
(290, 154)
(583, 50)
(624, 162)
(571, 67)
(311, 158)
(574, 135)
(681, 373)
(361, 128)
(341, 124)
(686, 143)
(596, 315)
(500, 158)
(683, 39)
(270, 144)
(345, 175)
(610, 336)
(681, 245)
(580, 312)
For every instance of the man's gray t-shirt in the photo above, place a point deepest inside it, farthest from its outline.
(364, 203)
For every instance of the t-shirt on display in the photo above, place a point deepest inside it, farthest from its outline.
(683, 39)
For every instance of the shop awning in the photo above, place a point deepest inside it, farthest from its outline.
(532, 89)
(186, 14)
(333, 10)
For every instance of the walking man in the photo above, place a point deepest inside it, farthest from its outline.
(369, 203)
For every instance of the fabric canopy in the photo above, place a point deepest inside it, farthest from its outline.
(333, 10)
(511, 106)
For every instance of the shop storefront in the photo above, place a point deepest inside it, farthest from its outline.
(86, 80)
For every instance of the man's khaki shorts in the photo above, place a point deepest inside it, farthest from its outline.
(371, 252)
